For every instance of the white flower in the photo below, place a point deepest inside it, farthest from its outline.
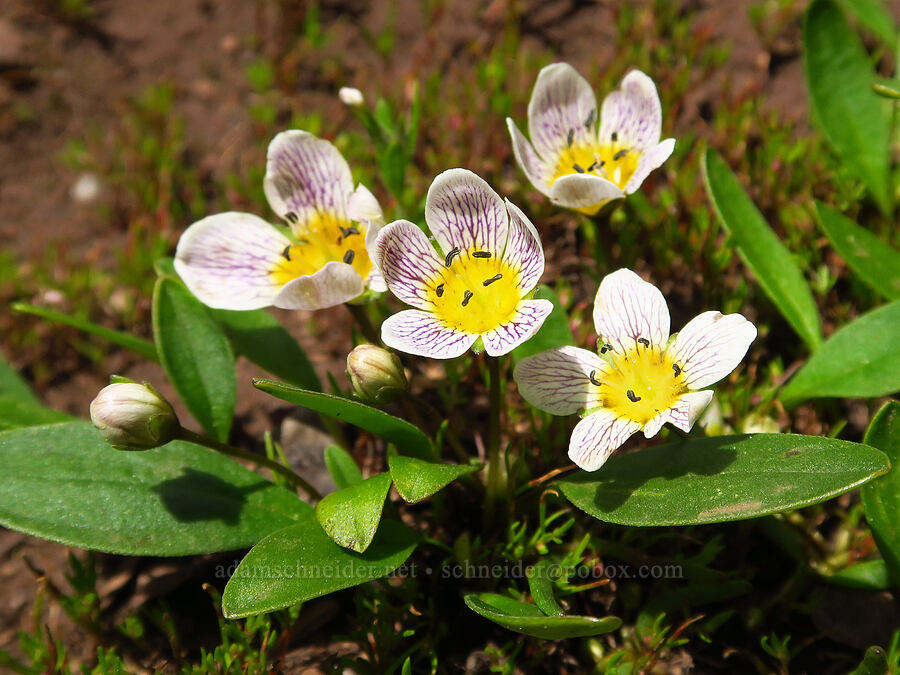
(476, 286)
(578, 160)
(239, 261)
(641, 379)
(351, 96)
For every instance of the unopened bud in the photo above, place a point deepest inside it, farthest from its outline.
(375, 373)
(133, 416)
(351, 96)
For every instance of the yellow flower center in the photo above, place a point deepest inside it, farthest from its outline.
(641, 383)
(613, 161)
(325, 238)
(476, 292)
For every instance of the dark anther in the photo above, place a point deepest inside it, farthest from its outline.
(481, 254)
(291, 216)
(590, 118)
(439, 290)
(677, 369)
(592, 167)
(570, 137)
(466, 297)
(347, 231)
(349, 256)
(450, 256)
(620, 154)
(632, 397)
(644, 341)
(614, 137)
(605, 348)
(577, 168)
(593, 380)
(496, 277)
(602, 162)
(287, 253)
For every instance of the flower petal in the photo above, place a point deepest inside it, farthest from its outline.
(710, 346)
(584, 192)
(527, 158)
(422, 334)
(688, 408)
(562, 101)
(305, 175)
(558, 381)
(633, 113)
(597, 436)
(334, 284)
(362, 207)
(651, 159)
(527, 320)
(463, 212)
(408, 262)
(523, 249)
(627, 308)
(226, 260)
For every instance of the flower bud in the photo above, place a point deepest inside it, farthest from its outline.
(375, 373)
(133, 416)
(351, 96)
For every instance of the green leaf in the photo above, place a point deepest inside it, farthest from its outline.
(861, 359)
(875, 662)
(258, 336)
(713, 480)
(881, 497)
(405, 436)
(392, 164)
(342, 467)
(540, 583)
(13, 385)
(195, 355)
(416, 480)
(350, 516)
(64, 483)
(870, 575)
(876, 263)
(300, 562)
(762, 252)
(554, 333)
(522, 617)
(16, 413)
(875, 16)
(141, 347)
(839, 78)
(165, 267)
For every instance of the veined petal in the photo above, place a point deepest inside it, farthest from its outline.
(597, 436)
(562, 102)
(558, 381)
(226, 260)
(527, 320)
(710, 346)
(584, 192)
(633, 113)
(463, 212)
(364, 208)
(305, 175)
(650, 159)
(527, 158)
(420, 333)
(334, 284)
(627, 308)
(408, 262)
(523, 249)
(688, 408)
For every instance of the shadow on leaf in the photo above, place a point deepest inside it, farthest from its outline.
(197, 495)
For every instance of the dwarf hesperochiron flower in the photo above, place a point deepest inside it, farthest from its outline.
(239, 261)
(641, 379)
(582, 160)
(476, 285)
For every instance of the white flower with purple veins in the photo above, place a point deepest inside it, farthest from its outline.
(239, 261)
(578, 160)
(475, 285)
(642, 378)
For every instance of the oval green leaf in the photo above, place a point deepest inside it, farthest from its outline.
(861, 359)
(713, 480)
(762, 252)
(350, 516)
(869, 575)
(405, 436)
(64, 483)
(875, 16)
(416, 480)
(881, 497)
(300, 562)
(15, 413)
(13, 385)
(525, 618)
(196, 356)
(541, 585)
(876, 263)
(555, 331)
(342, 467)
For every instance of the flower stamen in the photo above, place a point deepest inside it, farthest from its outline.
(439, 291)
(496, 277)
(347, 231)
(644, 341)
(593, 380)
(677, 369)
(466, 297)
(481, 254)
(570, 137)
(349, 255)
(287, 253)
(631, 396)
(450, 256)
(291, 217)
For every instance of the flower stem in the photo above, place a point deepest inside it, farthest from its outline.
(496, 471)
(274, 467)
(364, 323)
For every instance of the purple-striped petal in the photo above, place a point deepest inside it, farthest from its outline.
(528, 160)
(688, 408)
(334, 284)
(226, 260)
(527, 320)
(627, 308)
(650, 159)
(710, 346)
(464, 213)
(408, 262)
(584, 192)
(633, 113)
(558, 381)
(523, 249)
(422, 334)
(562, 105)
(597, 436)
(305, 175)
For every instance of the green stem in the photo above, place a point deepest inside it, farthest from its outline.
(364, 323)
(496, 475)
(275, 467)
